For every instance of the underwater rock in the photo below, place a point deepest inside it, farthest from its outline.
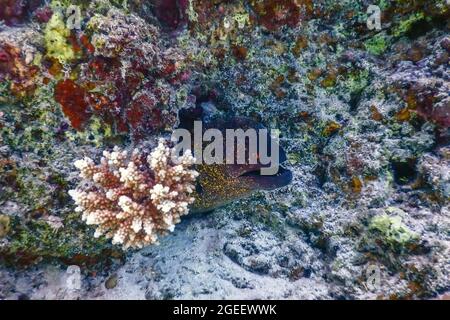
(13, 69)
(274, 14)
(426, 95)
(125, 80)
(171, 13)
(111, 282)
(434, 170)
(44, 14)
(430, 103)
(15, 12)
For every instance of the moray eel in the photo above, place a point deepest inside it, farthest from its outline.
(220, 184)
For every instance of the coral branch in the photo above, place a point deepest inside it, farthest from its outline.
(134, 198)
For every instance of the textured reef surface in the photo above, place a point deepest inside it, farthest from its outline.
(364, 117)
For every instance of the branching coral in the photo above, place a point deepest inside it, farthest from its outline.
(134, 198)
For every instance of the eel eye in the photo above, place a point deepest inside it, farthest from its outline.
(198, 188)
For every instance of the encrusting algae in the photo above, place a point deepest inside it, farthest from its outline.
(56, 36)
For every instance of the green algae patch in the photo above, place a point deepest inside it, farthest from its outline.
(392, 230)
(55, 36)
(405, 25)
(357, 81)
(96, 133)
(376, 45)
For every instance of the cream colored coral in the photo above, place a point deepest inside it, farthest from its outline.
(134, 199)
